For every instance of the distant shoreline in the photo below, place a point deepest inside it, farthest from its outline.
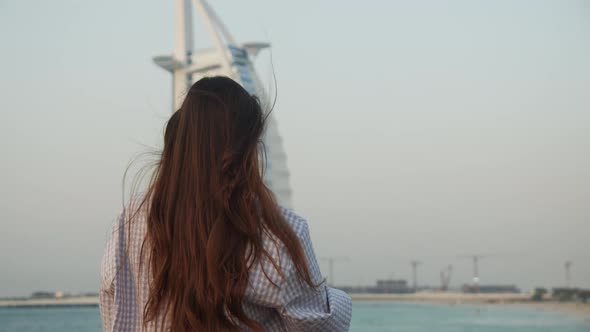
(90, 301)
(509, 300)
(450, 298)
(446, 297)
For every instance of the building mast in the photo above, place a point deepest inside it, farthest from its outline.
(183, 50)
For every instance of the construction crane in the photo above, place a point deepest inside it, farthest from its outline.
(331, 260)
(445, 277)
(415, 264)
(475, 259)
(568, 276)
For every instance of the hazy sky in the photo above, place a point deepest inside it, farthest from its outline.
(414, 130)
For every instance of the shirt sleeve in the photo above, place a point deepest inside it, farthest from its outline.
(107, 275)
(307, 309)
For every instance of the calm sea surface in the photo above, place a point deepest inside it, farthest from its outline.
(369, 317)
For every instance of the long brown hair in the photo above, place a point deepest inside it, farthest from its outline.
(208, 211)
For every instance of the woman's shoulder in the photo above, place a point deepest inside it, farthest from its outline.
(272, 270)
(278, 251)
(296, 221)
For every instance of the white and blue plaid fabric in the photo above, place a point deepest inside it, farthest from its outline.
(289, 306)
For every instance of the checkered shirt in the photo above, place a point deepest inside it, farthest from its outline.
(289, 306)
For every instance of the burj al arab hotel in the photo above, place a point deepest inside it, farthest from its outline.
(228, 58)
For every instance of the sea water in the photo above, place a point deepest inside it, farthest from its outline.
(367, 317)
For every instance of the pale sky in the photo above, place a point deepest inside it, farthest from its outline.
(414, 130)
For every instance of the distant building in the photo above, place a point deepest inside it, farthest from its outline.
(386, 286)
(392, 286)
(43, 295)
(490, 289)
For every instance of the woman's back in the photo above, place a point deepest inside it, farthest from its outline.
(287, 305)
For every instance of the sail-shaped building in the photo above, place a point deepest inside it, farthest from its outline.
(228, 58)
